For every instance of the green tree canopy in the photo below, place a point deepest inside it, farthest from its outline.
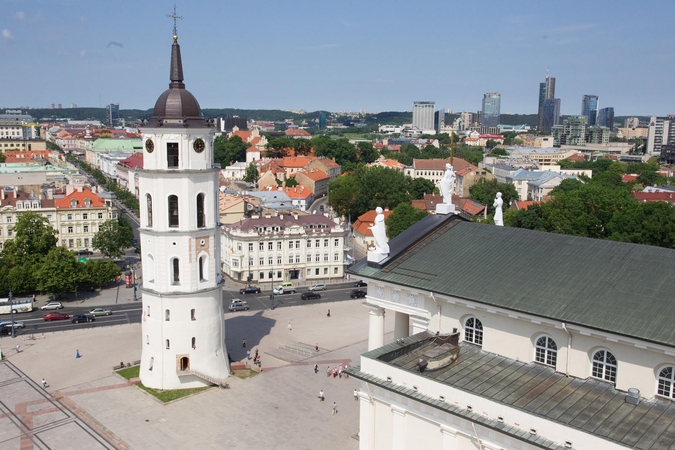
(59, 272)
(99, 272)
(403, 217)
(227, 151)
(33, 235)
(485, 192)
(419, 187)
(291, 182)
(367, 153)
(251, 175)
(113, 236)
(278, 147)
(499, 152)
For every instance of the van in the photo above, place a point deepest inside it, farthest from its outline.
(286, 284)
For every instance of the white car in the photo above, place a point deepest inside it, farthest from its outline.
(238, 305)
(318, 287)
(284, 290)
(52, 305)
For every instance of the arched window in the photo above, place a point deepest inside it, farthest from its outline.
(201, 217)
(152, 363)
(168, 344)
(148, 199)
(175, 269)
(167, 315)
(546, 351)
(194, 343)
(202, 268)
(473, 331)
(666, 382)
(149, 269)
(173, 210)
(604, 366)
(192, 315)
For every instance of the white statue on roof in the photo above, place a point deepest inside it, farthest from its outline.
(380, 234)
(447, 184)
(497, 205)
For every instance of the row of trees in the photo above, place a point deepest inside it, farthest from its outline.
(32, 262)
(369, 187)
(603, 207)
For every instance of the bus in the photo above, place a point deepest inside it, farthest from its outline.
(19, 305)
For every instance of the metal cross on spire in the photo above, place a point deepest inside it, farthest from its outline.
(174, 17)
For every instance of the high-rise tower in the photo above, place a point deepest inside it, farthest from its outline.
(182, 322)
(589, 108)
(546, 92)
(423, 115)
(491, 108)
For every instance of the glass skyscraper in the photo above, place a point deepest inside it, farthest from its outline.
(491, 105)
(546, 92)
(589, 108)
(606, 117)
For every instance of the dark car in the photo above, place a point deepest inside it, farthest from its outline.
(357, 293)
(84, 252)
(360, 283)
(77, 318)
(250, 290)
(55, 316)
(309, 295)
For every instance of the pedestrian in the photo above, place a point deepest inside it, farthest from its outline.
(317, 347)
(334, 409)
(248, 354)
(18, 349)
(328, 371)
(289, 326)
(328, 313)
(243, 343)
(321, 395)
(77, 354)
(259, 365)
(316, 368)
(356, 395)
(345, 371)
(340, 372)
(44, 383)
(256, 353)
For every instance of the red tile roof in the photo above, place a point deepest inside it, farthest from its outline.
(297, 132)
(297, 162)
(626, 177)
(134, 161)
(654, 197)
(80, 198)
(366, 220)
(439, 164)
(315, 175)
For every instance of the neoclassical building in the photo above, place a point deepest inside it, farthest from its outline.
(285, 247)
(183, 327)
(508, 338)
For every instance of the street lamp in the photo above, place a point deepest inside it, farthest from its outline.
(133, 279)
(11, 312)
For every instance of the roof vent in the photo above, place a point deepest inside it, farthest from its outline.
(568, 444)
(500, 419)
(633, 396)
(469, 408)
(533, 431)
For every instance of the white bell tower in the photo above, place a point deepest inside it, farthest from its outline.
(183, 315)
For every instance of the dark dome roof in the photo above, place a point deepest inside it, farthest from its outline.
(177, 103)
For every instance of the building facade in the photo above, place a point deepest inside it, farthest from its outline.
(423, 115)
(183, 330)
(546, 92)
(606, 118)
(284, 247)
(550, 114)
(495, 362)
(571, 132)
(491, 109)
(589, 108)
(661, 131)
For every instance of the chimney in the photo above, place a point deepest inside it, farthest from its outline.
(16, 190)
(3, 193)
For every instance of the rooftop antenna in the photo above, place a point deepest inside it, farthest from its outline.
(174, 17)
(174, 32)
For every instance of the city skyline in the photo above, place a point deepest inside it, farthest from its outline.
(310, 56)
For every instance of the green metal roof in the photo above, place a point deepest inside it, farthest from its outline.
(627, 289)
(129, 145)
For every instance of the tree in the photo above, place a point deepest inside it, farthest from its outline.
(59, 272)
(229, 150)
(291, 182)
(302, 147)
(53, 146)
(403, 217)
(278, 147)
(2, 157)
(33, 235)
(651, 223)
(419, 187)
(485, 192)
(491, 143)
(112, 237)
(99, 272)
(251, 175)
(342, 193)
(367, 153)
(499, 152)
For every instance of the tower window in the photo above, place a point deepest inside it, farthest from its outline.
(192, 314)
(172, 155)
(152, 363)
(194, 343)
(167, 315)
(202, 260)
(201, 218)
(148, 199)
(173, 210)
(168, 344)
(175, 266)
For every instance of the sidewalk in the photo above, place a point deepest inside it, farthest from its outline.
(278, 408)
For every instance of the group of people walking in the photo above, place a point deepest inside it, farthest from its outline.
(335, 372)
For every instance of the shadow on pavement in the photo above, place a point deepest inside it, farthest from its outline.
(252, 328)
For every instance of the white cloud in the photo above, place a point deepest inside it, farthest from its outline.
(7, 35)
(19, 15)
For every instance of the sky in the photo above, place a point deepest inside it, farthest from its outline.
(377, 55)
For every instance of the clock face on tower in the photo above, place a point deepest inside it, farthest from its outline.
(199, 145)
(149, 146)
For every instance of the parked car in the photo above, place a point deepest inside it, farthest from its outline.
(8, 325)
(100, 312)
(358, 293)
(250, 290)
(310, 295)
(77, 318)
(281, 290)
(318, 287)
(55, 316)
(52, 305)
(238, 305)
(360, 283)
(84, 252)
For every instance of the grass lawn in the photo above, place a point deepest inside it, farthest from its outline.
(245, 373)
(165, 396)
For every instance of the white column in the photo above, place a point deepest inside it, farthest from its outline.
(419, 324)
(366, 422)
(375, 327)
(448, 438)
(398, 428)
(401, 325)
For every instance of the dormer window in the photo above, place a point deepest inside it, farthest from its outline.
(73, 203)
(87, 203)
